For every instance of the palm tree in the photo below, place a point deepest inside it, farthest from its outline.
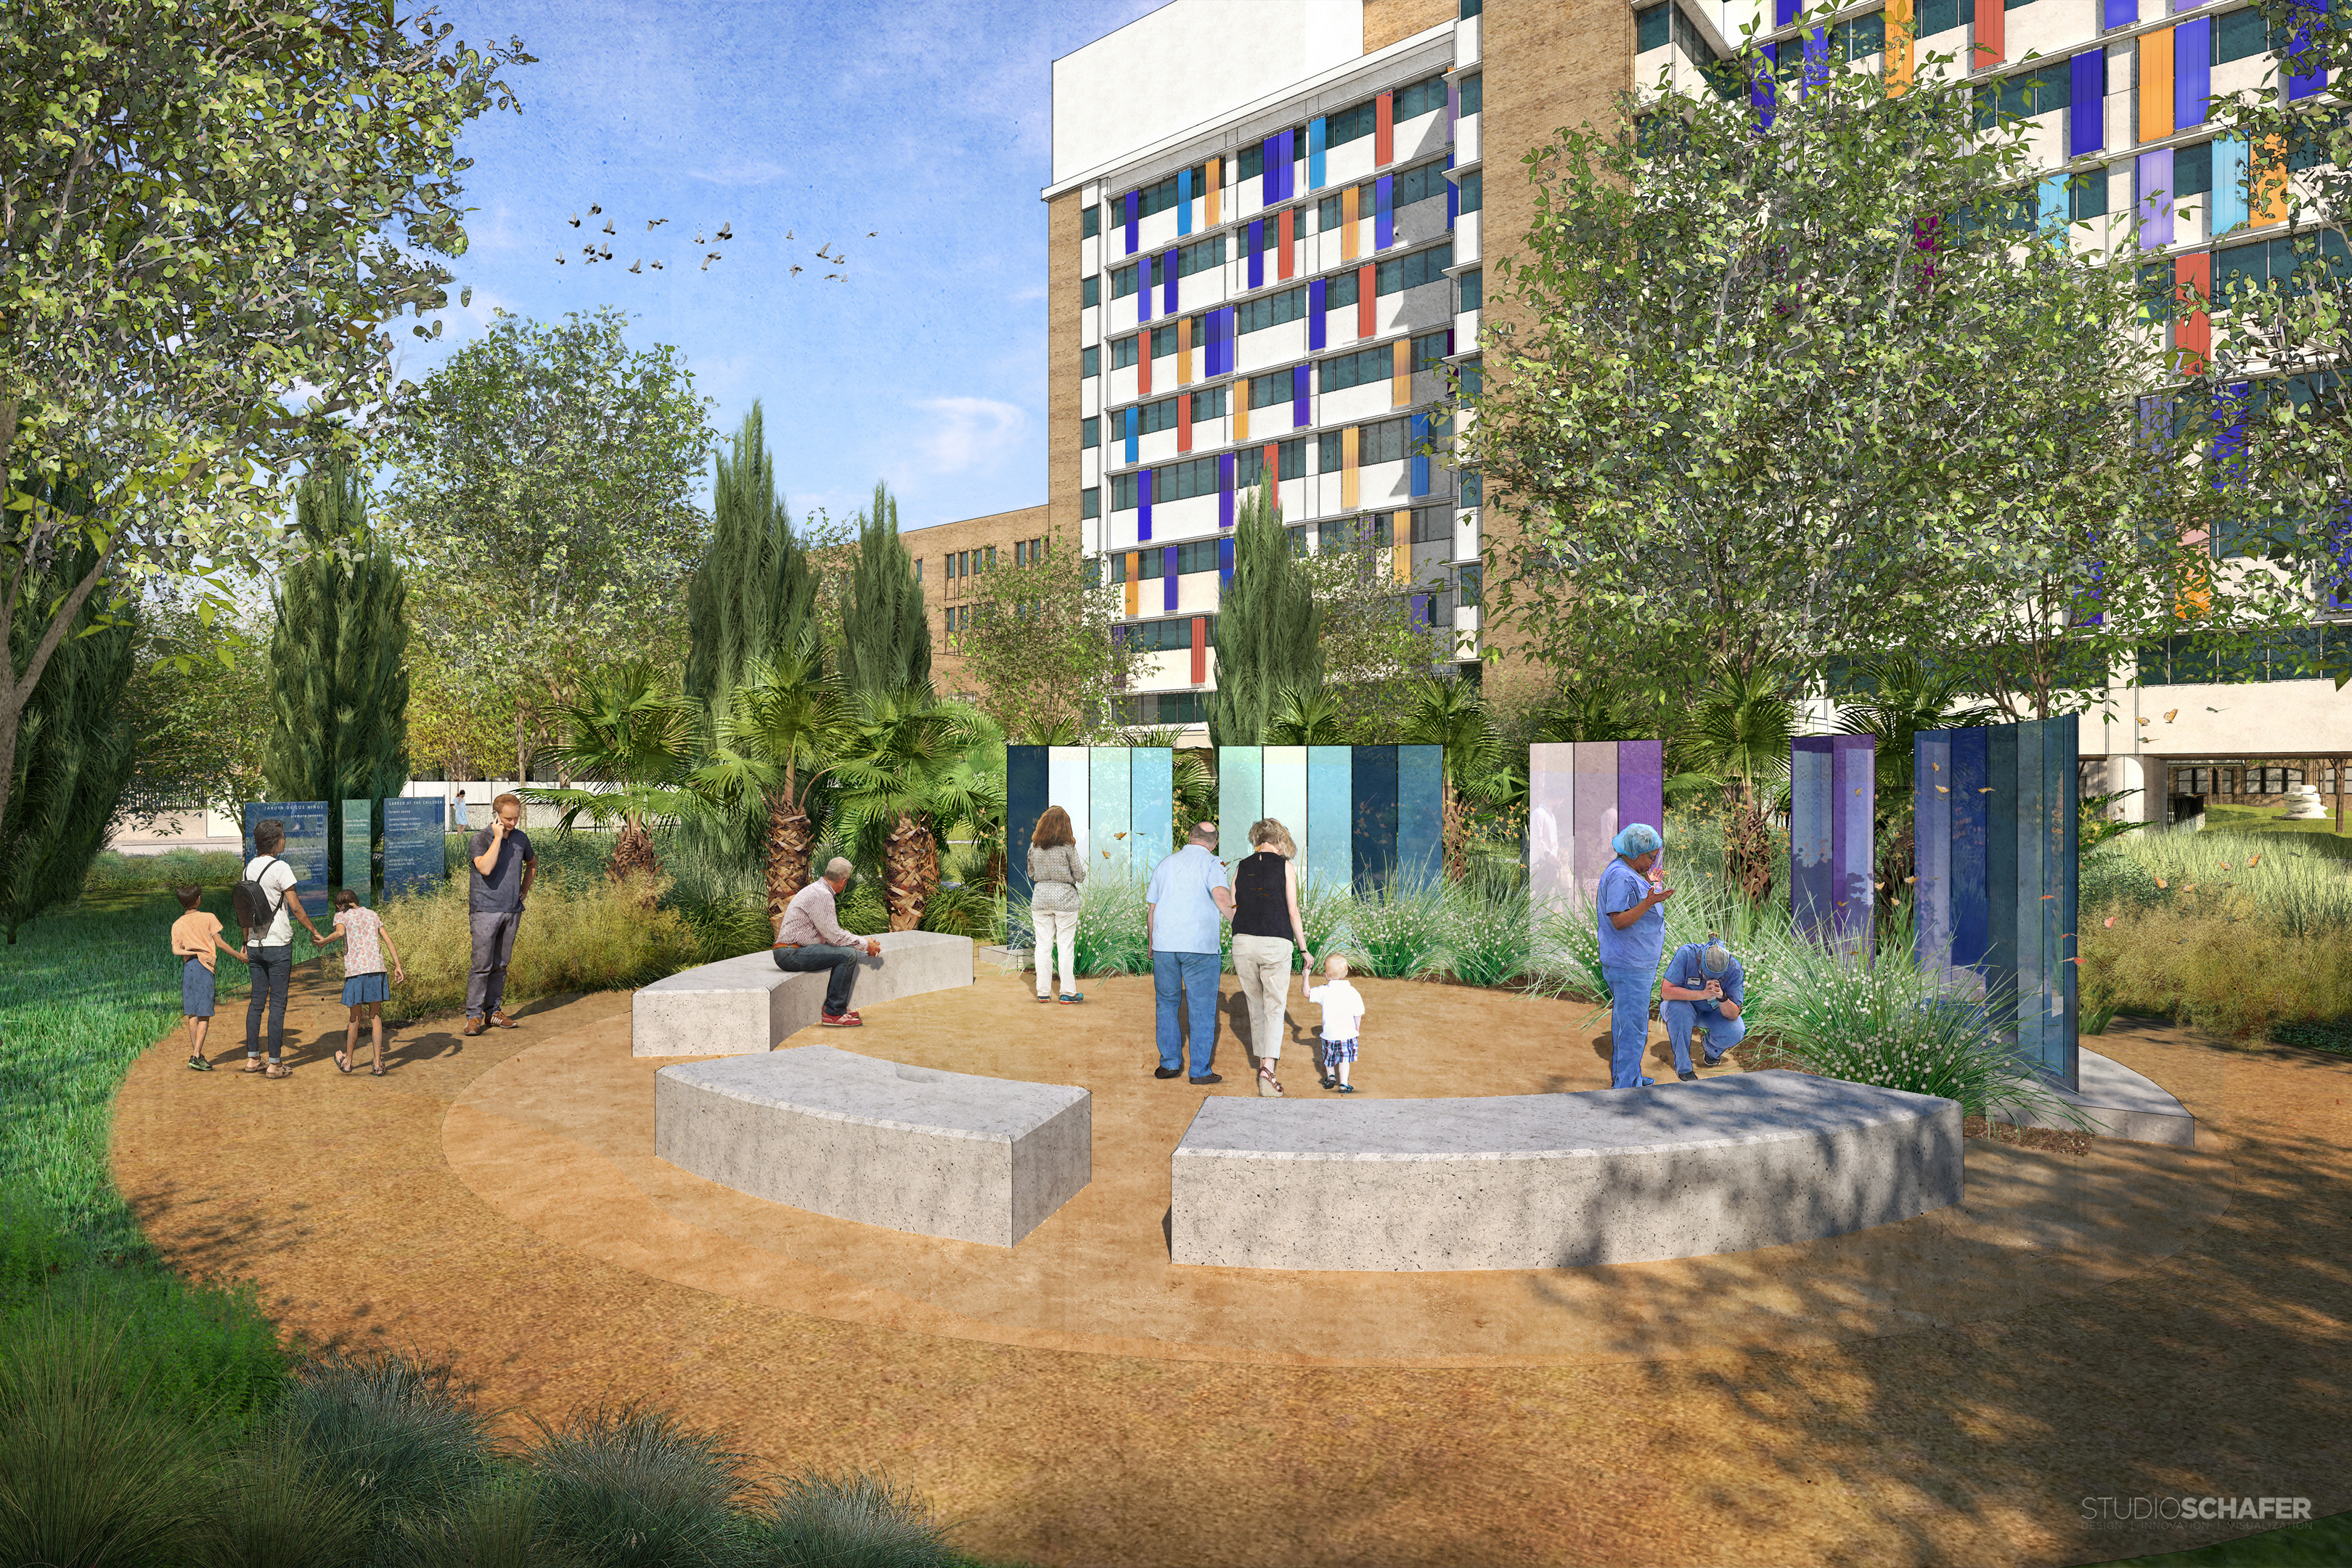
(629, 729)
(1452, 714)
(899, 790)
(1306, 716)
(1905, 697)
(1739, 735)
(773, 737)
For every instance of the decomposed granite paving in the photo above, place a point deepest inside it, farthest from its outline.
(1960, 1388)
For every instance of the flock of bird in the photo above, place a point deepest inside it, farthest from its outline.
(591, 253)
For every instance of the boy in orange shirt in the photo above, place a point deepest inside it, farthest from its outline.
(195, 935)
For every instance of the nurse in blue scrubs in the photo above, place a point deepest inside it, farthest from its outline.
(1632, 927)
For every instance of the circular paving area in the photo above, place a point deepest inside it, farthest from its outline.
(2142, 1320)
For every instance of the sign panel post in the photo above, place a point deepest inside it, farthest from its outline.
(358, 848)
(306, 850)
(415, 855)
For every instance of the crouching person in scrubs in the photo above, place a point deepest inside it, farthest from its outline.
(1704, 992)
(1632, 930)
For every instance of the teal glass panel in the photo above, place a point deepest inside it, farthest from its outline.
(2032, 861)
(1066, 786)
(358, 867)
(1106, 813)
(2062, 761)
(1328, 851)
(1151, 806)
(1999, 962)
(1931, 813)
(1241, 798)
(1421, 814)
(1286, 793)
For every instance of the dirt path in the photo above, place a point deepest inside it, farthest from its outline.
(2138, 1322)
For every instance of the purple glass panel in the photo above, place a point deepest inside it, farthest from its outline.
(1143, 297)
(2122, 13)
(1422, 611)
(1783, 12)
(1299, 384)
(1167, 580)
(2086, 121)
(1224, 490)
(1257, 253)
(1168, 282)
(1763, 90)
(1384, 212)
(2192, 72)
(1853, 814)
(1274, 183)
(1134, 212)
(1313, 318)
(2152, 174)
(1143, 507)
(2305, 85)
(1641, 783)
(1817, 59)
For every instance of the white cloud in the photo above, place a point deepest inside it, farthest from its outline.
(759, 173)
(967, 433)
(1024, 294)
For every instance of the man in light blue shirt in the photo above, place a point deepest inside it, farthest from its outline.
(1185, 910)
(1632, 930)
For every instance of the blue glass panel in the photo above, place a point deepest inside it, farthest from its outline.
(1318, 129)
(2086, 116)
(1421, 814)
(1027, 794)
(1286, 793)
(306, 850)
(2192, 72)
(1854, 789)
(1315, 308)
(1151, 806)
(1257, 253)
(1373, 816)
(1184, 202)
(1811, 841)
(414, 858)
(2065, 783)
(1106, 813)
(1328, 848)
(2000, 964)
(1241, 798)
(1970, 866)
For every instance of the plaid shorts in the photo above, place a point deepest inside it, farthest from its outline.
(1335, 1051)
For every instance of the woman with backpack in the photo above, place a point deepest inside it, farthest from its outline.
(260, 904)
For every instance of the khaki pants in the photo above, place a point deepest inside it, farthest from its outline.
(1262, 964)
(1057, 936)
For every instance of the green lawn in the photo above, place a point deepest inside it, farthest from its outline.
(2321, 1543)
(2271, 819)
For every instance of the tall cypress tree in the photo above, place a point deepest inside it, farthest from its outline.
(886, 638)
(754, 594)
(75, 749)
(1269, 627)
(338, 682)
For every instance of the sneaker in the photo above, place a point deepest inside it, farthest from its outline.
(1071, 996)
(1717, 1058)
(1647, 1083)
(1166, 1072)
(842, 1021)
(473, 1027)
(1210, 1078)
(198, 1064)
(1043, 997)
(1688, 1076)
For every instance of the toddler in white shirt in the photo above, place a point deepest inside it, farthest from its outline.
(1343, 1018)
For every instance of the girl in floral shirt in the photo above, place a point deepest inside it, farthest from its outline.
(366, 942)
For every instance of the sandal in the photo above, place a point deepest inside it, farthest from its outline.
(342, 1063)
(252, 1064)
(278, 1070)
(1345, 1089)
(377, 1070)
(1269, 1086)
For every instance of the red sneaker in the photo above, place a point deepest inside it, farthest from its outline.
(841, 1021)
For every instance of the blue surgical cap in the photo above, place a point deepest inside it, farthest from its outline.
(1636, 839)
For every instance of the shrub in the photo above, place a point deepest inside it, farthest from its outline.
(395, 1431)
(580, 934)
(633, 1485)
(271, 1506)
(2194, 961)
(1488, 939)
(816, 1521)
(964, 909)
(501, 1523)
(33, 1246)
(1399, 931)
(2301, 889)
(115, 872)
(200, 1351)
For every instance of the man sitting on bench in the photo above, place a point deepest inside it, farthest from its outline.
(810, 937)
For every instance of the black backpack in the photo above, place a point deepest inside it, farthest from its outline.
(251, 903)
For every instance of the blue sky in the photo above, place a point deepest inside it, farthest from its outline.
(926, 124)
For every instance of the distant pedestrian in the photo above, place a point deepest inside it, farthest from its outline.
(1632, 932)
(458, 823)
(503, 868)
(267, 907)
(1343, 1023)
(1057, 871)
(1265, 925)
(810, 938)
(195, 935)
(1184, 912)
(365, 943)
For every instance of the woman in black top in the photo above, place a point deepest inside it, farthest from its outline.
(1265, 924)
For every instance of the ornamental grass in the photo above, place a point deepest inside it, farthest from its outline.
(578, 934)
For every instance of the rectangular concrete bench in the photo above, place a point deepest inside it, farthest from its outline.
(936, 1153)
(741, 1006)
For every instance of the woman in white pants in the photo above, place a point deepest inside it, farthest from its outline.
(1265, 922)
(1056, 870)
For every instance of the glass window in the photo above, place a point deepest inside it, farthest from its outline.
(1090, 289)
(1383, 442)
(1469, 583)
(1183, 482)
(1422, 182)
(1090, 361)
(1122, 281)
(1472, 378)
(1420, 98)
(2239, 34)
(1122, 492)
(1090, 223)
(918, 568)
(1355, 369)
(1471, 8)
(2192, 169)
(1153, 417)
(1249, 464)
(1411, 271)
(1155, 198)
(1090, 502)
(1327, 214)
(1209, 403)
(1346, 532)
(1253, 315)
(1149, 562)
(1298, 539)
(1472, 287)
(1432, 525)
(1471, 489)
(1653, 29)
(1327, 452)
(1200, 258)
(1200, 555)
(1163, 341)
(1340, 291)
(991, 559)
(1472, 91)
(1251, 163)
(1429, 350)
(1938, 17)
(2086, 196)
(1348, 124)
(1122, 351)
(1859, 38)
(1090, 431)
(1474, 191)
(1265, 391)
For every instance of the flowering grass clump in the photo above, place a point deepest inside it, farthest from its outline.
(580, 934)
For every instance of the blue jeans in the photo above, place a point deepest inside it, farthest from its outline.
(1194, 977)
(272, 968)
(842, 961)
(1722, 1032)
(1629, 1024)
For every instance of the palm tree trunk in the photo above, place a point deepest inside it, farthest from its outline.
(910, 870)
(634, 861)
(1747, 844)
(790, 844)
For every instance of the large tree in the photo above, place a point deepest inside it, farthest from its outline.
(544, 480)
(1041, 648)
(338, 672)
(196, 702)
(209, 216)
(754, 594)
(1782, 396)
(886, 637)
(1268, 627)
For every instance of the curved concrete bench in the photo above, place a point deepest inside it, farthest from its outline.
(740, 1006)
(1556, 1181)
(2116, 1102)
(937, 1153)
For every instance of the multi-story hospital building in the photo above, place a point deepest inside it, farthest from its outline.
(1271, 221)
